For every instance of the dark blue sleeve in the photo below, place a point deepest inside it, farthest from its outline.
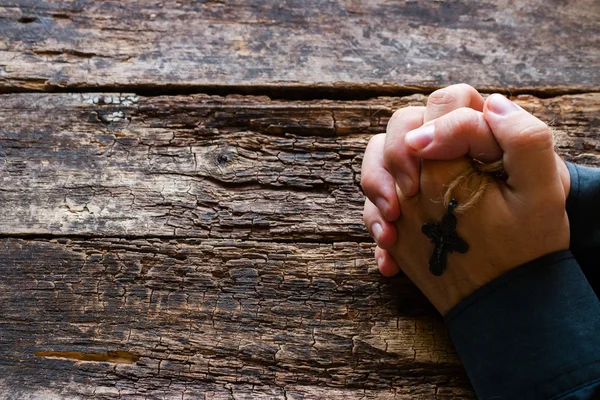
(583, 208)
(533, 333)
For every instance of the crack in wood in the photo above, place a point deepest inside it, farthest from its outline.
(343, 50)
(275, 92)
(91, 235)
(115, 357)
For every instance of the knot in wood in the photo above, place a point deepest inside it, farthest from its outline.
(223, 158)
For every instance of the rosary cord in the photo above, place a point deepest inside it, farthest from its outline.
(478, 176)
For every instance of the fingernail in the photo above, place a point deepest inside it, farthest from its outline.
(377, 229)
(379, 261)
(420, 138)
(404, 182)
(382, 205)
(500, 105)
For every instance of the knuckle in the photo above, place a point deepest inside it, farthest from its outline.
(374, 141)
(365, 178)
(466, 88)
(390, 157)
(374, 146)
(363, 181)
(441, 97)
(393, 152)
(403, 113)
(461, 122)
(366, 183)
(466, 119)
(536, 136)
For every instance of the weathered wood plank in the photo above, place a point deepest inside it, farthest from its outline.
(213, 316)
(221, 319)
(163, 246)
(210, 167)
(539, 45)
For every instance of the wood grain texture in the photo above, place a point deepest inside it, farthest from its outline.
(209, 167)
(208, 247)
(164, 246)
(222, 319)
(539, 45)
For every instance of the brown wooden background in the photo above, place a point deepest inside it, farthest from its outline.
(179, 187)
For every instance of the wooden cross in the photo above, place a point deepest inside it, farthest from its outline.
(445, 239)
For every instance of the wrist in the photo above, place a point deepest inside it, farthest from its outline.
(464, 281)
(458, 284)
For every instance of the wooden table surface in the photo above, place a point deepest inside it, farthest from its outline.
(179, 187)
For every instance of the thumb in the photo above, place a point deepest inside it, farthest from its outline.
(529, 158)
(458, 133)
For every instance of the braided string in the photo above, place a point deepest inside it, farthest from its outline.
(478, 175)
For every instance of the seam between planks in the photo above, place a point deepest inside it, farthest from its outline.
(342, 91)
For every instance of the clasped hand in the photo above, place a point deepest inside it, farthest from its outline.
(406, 172)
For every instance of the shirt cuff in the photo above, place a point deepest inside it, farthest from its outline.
(533, 333)
(584, 220)
(573, 197)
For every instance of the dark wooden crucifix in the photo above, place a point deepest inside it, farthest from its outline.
(444, 237)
